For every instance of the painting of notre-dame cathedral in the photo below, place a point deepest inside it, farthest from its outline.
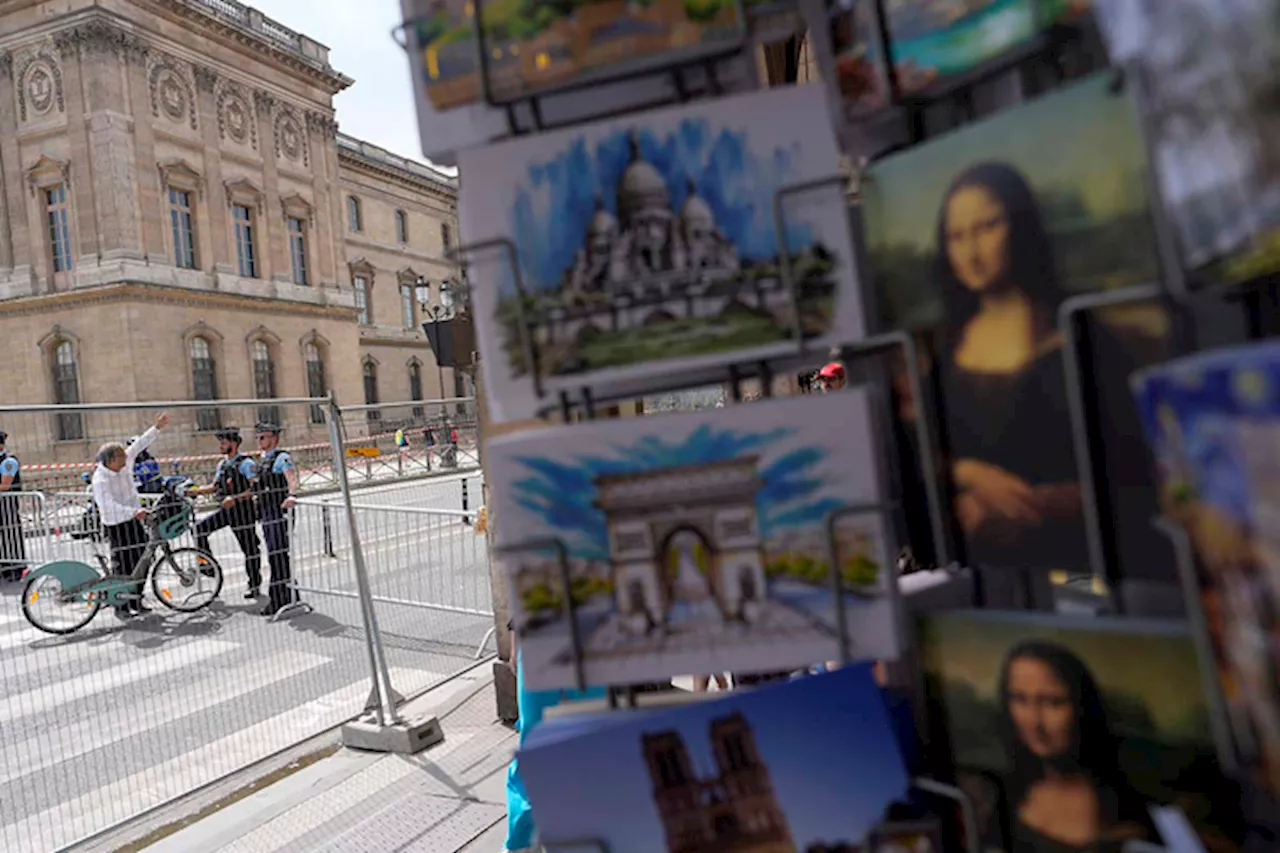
(734, 811)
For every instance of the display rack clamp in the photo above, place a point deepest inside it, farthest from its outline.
(1073, 362)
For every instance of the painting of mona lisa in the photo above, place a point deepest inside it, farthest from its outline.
(1066, 732)
(976, 239)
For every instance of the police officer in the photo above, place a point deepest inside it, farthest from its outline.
(233, 483)
(13, 544)
(277, 489)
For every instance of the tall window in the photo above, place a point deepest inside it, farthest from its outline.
(446, 239)
(415, 386)
(298, 248)
(184, 233)
(406, 305)
(461, 383)
(361, 285)
(354, 219)
(264, 381)
(204, 382)
(55, 200)
(316, 384)
(402, 226)
(371, 389)
(244, 240)
(66, 391)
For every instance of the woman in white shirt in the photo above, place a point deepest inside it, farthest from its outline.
(121, 510)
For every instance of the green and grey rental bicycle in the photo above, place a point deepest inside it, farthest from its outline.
(63, 596)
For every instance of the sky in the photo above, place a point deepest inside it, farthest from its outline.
(827, 741)
(379, 108)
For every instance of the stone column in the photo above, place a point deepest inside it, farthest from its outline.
(324, 185)
(150, 205)
(13, 211)
(275, 246)
(86, 246)
(104, 51)
(215, 242)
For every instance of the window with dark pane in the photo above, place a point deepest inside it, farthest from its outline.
(181, 223)
(298, 249)
(66, 391)
(415, 386)
(361, 286)
(59, 228)
(245, 256)
(371, 390)
(264, 381)
(317, 385)
(204, 382)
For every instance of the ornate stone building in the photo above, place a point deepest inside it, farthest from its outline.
(182, 220)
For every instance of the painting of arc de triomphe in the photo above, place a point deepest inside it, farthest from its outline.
(684, 545)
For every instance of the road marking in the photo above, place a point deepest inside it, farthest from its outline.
(190, 700)
(68, 822)
(139, 668)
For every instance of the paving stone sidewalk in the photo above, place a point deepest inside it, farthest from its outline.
(448, 799)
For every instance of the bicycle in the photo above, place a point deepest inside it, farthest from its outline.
(76, 587)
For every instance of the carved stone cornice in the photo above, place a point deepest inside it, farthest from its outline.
(322, 124)
(6, 64)
(206, 78)
(99, 35)
(157, 294)
(265, 102)
(193, 16)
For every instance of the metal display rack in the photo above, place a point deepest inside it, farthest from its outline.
(1044, 50)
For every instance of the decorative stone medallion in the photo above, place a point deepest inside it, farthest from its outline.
(290, 139)
(236, 118)
(173, 100)
(40, 90)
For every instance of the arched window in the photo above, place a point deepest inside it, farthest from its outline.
(204, 381)
(415, 386)
(317, 385)
(66, 391)
(402, 227)
(371, 388)
(354, 219)
(264, 380)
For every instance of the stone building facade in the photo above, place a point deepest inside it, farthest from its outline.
(182, 220)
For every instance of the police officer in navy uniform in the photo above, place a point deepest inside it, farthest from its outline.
(233, 483)
(277, 489)
(13, 544)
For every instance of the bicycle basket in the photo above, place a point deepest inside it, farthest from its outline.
(173, 518)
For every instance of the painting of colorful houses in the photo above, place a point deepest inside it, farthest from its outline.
(696, 542)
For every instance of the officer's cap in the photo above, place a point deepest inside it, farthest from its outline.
(265, 427)
(228, 434)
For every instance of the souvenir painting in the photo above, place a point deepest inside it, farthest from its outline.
(453, 114)
(806, 765)
(1214, 423)
(649, 247)
(696, 541)
(1212, 117)
(1071, 730)
(1020, 211)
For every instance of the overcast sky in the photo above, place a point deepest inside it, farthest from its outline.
(379, 107)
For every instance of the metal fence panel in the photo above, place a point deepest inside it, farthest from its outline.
(127, 714)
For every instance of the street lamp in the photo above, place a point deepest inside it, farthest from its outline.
(440, 311)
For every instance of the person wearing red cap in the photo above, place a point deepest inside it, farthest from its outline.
(831, 376)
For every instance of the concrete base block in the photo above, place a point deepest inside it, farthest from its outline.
(504, 689)
(407, 737)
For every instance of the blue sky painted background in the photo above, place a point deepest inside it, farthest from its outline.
(831, 751)
(1204, 395)
(794, 492)
(550, 215)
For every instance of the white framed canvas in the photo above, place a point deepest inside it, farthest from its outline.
(647, 248)
(696, 541)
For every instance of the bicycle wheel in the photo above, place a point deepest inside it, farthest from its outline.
(49, 610)
(186, 579)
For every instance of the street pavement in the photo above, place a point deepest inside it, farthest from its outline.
(122, 717)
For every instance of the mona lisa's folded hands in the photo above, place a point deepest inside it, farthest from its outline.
(996, 492)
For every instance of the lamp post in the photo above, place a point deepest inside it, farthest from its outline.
(441, 311)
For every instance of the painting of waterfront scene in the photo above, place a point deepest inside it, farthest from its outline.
(1065, 717)
(977, 239)
(696, 541)
(538, 45)
(804, 766)
(650, 246)
(1213, 116)
(1214, 422)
